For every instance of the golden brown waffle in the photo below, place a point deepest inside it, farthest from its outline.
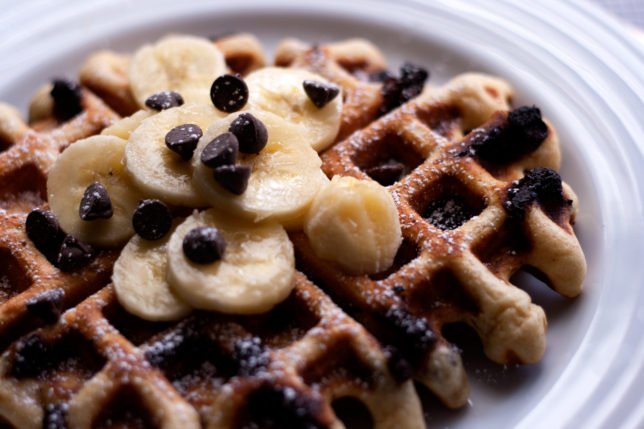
(33, 290)
(462, 240)
(98, 366)
(106, 368)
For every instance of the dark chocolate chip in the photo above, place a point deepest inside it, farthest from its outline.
(43, 230)
(74, 254)
(388, 173)
(96, 203)
(229, 93)
(183, 139)
(30, 358)
(46, 306)
(320, 93)
(67, 97)
(204, 245)
(222, 150)
(164, 100)
(152, 219)
(55, 416)
(540, 184)
(233, 178)
(250, 132)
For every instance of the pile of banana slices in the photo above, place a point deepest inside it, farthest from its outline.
(131, 166)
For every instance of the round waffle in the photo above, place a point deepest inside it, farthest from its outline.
(73, 357)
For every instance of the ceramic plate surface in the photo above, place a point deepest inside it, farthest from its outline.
(576, 64)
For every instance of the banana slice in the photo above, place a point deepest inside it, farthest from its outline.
(125, 126)
(354, 223)
(185, 64)
(140, 284)
(285, 175)
(94, 159)
(157, 170)
(255, 273)
(280, 91)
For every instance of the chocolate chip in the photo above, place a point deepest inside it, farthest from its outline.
(164, 100)
(320, 93)
(229, 93)
(30, 358)
(43, 230)
(183, 139)
(522, 133)
(152, 219)
(396, 91)
(204, 245)
(46, 306)
(398, 289)
(387, 173)
(539, 184)
(250, 132)
(222, 150)
(74, 254)
(96, 203)
(67, 97)
(233, 178)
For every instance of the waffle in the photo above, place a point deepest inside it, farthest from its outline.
(462, 242)
(73, 357)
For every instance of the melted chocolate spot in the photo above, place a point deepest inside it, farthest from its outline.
(30, 357)
(540, 184)
(398, 90)
(46, 306)
(522, 133)
(388, 173)
(277, 406)
(251, 355)
(448, 213)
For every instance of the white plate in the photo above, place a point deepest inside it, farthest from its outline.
(576, 64)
